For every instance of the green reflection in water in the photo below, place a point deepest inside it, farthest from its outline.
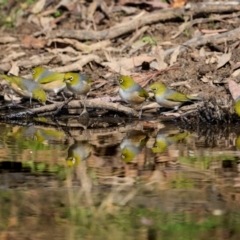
(130, 184)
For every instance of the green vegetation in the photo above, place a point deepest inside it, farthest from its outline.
(9, 14)
(150, 40)
(68, 211)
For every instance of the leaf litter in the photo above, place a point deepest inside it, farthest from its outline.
(185, 62)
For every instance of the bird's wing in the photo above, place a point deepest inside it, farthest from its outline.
(50, 77)
(142, 92)
(175, 96)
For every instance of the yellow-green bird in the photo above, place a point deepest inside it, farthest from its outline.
(163, 141)
(26, 88)
(79, 151)
(79, 84)
(237, 106)
(50, 81)
(169, 98)
(131, 92)
(132, 145)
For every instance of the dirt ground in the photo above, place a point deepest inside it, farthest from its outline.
(194, 48)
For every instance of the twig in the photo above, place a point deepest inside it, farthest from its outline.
(203, 20)
(162, 15)
(232, 35)
(48, 110)
(76, 66)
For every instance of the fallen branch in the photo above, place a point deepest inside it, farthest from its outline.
(232, 35)
(147, 18)
(49, 110)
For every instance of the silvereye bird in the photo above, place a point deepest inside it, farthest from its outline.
(132, 145)
(131, 92)
(78, 84)
(169, 98)
(50, 81)
(237, 106)
(163, 141)
(79, 151)
(26, 88)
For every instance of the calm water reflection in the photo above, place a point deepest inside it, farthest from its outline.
(151, 181)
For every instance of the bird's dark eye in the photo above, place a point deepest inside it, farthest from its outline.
(154, 89)
(70, 78)
(33, 71)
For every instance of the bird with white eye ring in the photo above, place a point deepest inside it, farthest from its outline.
(78, 84)
(131, 92)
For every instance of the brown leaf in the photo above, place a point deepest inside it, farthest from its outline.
(178, 3)
(174, 55)
(14, 69)
(234, 89)
(32, 42)
(126, 64)
(213, 31)
(224, 59)
(38, 6)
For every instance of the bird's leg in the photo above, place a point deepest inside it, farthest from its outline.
(11, 92)
(140, 112)
(166, 113)
(84, 112)
(62, 93)
(30, 101)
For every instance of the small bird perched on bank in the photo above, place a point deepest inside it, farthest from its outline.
(26, 88)
(131, 92)
(169, 98)
(78, 152)
(79, 84)
(50, 81)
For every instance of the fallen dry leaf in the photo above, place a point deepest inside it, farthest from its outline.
(125, 65)
(159, 54)
(32, 42)
(234, 89)
(8, 39)
(222, 60)
(38, 6)
(213, 31)
(178, 3)
(235, 73)
(13, 56)
(174, 55)
(14, 69)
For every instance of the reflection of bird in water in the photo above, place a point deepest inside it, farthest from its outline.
(77, 152)
(46, 135)
(22, 132)
(132, 145)
(237, 143)
(163, 141)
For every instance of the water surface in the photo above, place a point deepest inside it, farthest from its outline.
(140, 181)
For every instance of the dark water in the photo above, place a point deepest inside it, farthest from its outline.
(140, 181)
